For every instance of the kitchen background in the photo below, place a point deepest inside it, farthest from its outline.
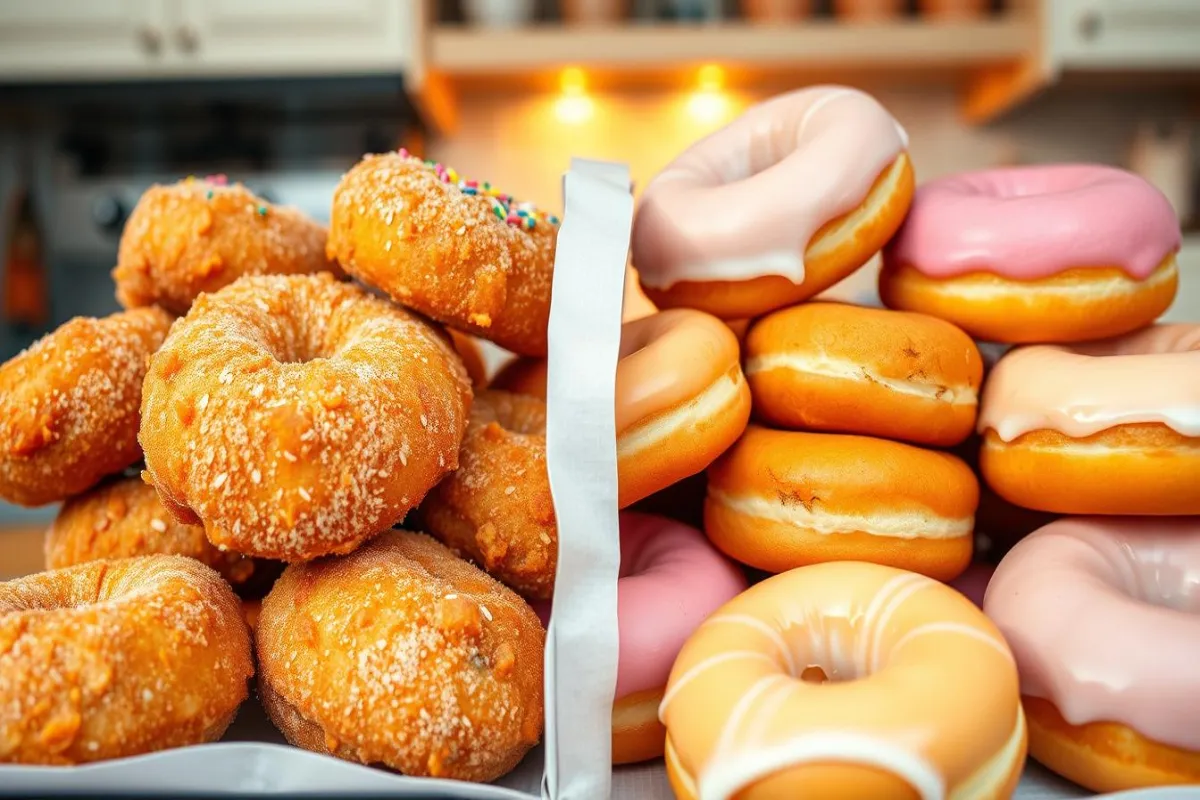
(100, 98)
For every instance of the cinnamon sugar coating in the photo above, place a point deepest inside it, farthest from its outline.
(117, 658)
(198, 236)
(69, 405)
(296, 416)
(402, 654)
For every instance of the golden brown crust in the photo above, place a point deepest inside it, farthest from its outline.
(296, 416)
(69, 405)
(116, 658)
(496, 509)
(402, 654)
(522, 376)
(199, 236)
(122, 518)
(1143, 468)
(400, 225)
(637, 735)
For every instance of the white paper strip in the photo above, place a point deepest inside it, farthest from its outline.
(581, 457)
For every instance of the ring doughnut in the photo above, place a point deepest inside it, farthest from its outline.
(296, 416)
(1107, 716)
(846, 369)
(783, 203)
(779, 499)
(118, 658)
(201, 235)
(402, 654)
(456, 250)
(1108, 427)
(69, 405)
(1061, 253)
(845, 680)
(122, 518)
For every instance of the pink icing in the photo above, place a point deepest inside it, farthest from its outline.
(1103, 616)
(1027, 223)
(745, 201)
(974, 582)
(671, 579)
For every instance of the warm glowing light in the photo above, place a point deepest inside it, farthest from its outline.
(711, 78)
(708, 106)
(573, 109)
(573, 81)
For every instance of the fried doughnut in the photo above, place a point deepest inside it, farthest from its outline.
(496, 509)
(846, 369)
(522, 376)
(779, 500)
(117, 658)
(123, 517)
(402, 654)
(468, 350)
(199, 236)
(69, 405)
(455, 250)
(296, 416)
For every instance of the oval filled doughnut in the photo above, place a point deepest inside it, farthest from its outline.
(1107, 427)
(845, 680)
(779, 499)
(1103, 616)
(122, 518)
(402, 654)
(1062, 253)
(456, 250)
(117, 658)
(781, 204)
(200, 235)
(69, 405)
(847, 369)
(296, 416)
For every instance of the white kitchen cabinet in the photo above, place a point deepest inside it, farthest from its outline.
(1124, 34)
(78, 39)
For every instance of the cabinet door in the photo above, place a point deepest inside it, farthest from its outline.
(292, 37)
(1123, 34)
(74, 40)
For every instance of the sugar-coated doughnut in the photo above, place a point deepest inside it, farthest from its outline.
(296, 416)
(1103, 616)
(69, 405)
(117, 658)
(784, 202)
(122, 518)
(1061, 253)
(457, 250)
(847, 369)
(402, 654)
(496, 508)
(1107, 427)
(200, 235)
(781, 499)
(845, 680)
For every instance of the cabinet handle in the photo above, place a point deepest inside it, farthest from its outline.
(151, 39)
(1090, 25)
(189, 38)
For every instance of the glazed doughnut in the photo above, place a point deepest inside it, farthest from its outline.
(839, 368)
(296, 416)
(456, 250)
(117, 658)
(123, 517)
(1036, 254)
(1103, 616)
(779, 499)
(69, 405)
(496, 508)
(845, 680)
(1108, 427)
(468, 350)
(786, 201)
(402, 654)
(671, 578)
(201, 235)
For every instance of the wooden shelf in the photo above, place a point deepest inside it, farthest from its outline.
(660, 55)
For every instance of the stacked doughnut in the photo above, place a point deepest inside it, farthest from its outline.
(1095, 414)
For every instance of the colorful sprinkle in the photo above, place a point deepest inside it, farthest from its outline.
(262, 211)
(524, 215)
(208, 195)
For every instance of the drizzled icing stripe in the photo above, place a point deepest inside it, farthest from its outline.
(763, 628)
(705, 665)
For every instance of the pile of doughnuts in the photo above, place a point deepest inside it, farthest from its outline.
(287, 460)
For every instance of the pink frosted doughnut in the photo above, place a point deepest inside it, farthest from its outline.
(1027, 254)
(1103, 617)
(671, 579)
